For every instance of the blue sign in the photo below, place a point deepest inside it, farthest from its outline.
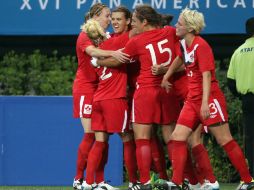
(64, 17)
(39, 140)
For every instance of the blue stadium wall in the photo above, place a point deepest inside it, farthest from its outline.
(39, 141)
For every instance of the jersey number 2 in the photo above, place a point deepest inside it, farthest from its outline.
(105, 76)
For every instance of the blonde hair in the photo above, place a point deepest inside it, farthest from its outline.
(94, 31)
(92, 27)
(193, 19)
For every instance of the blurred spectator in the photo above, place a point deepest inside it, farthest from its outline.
(240, 82)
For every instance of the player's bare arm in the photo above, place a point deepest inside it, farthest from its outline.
(204, 110)
(109, 62)
(176, 64)
(96, 52)
(159, 69)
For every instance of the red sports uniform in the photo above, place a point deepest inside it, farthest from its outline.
(86, 80)
(198, 59)
(151, 103)
(83, 89)
(110, 104)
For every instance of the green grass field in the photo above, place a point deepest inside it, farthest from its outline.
(222, 187)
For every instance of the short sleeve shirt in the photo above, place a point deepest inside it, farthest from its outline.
(198, 58)
(112, 81)
(241, 67)
(153, 47)
(86, 78)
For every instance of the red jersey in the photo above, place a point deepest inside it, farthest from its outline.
(153, 47)
(198, 58)
(112, 81)
(86, 78)
(112, 35)
(132, 69)
(132, 74)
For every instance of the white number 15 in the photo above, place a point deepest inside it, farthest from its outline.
(162, 50)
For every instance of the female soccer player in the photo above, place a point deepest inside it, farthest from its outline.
(85, 83)
(111, 81)
(205, 101)
(151, 104)
(201, 174)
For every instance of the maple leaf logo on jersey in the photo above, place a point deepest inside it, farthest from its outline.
(188, 56)
(87, 109)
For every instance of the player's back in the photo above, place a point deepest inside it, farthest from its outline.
(155, 47)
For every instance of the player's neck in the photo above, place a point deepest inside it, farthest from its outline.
(189, 39)
(149, 27)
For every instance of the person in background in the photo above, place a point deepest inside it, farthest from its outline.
(85, 83)
(241, 83)
(205, 101)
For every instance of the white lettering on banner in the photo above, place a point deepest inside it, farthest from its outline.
(192, 3)
(114, 3)
(80, 2)
(157, 5)
(26, 4)
(57, 4)
(176, 6)
(137, 2)
(43, 5)
(220, 5)
(239, 2)
(207, 3)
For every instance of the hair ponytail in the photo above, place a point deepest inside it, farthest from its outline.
(94, 31)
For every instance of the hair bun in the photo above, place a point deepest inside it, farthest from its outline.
(93, 29)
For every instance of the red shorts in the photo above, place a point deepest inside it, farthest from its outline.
(154, 105)
(82, 105)
(190, 114)
(110, 116)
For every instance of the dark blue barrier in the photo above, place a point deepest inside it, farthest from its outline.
(39, 140)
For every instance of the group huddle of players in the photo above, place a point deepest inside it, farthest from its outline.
(144, 76)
